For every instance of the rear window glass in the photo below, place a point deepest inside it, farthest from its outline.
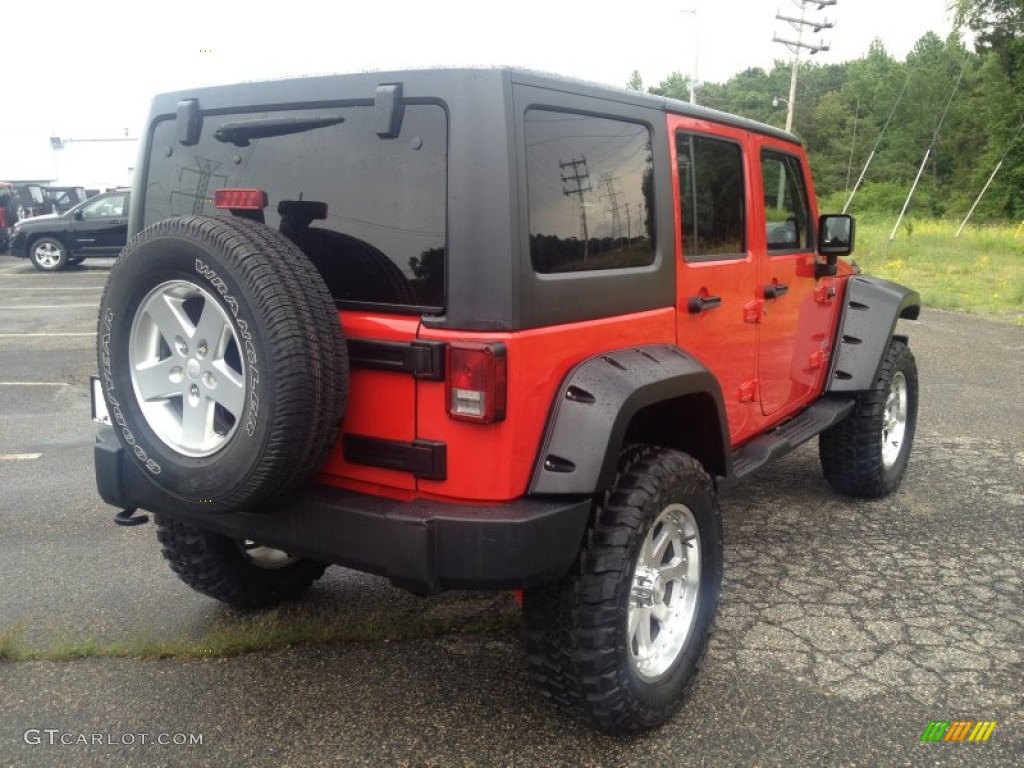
(591, 192)
(383, 239)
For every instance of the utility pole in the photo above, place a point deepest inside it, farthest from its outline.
(575, 179)
(611, 194)
(696, 52)
(801, 25)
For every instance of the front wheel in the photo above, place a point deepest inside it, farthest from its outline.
(49, 254)
(866, 454)
(618, 639)
(238, 572)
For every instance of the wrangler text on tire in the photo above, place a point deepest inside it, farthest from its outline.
(222, 362)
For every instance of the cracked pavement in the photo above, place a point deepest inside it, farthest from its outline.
(844, 626)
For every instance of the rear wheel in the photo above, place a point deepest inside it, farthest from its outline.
(617, 640)
(238, 572)
(49, 254)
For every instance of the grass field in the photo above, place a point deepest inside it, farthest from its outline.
(981, 272)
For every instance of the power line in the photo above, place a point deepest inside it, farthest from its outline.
(928, 152)
(878, 141)
(990, 178)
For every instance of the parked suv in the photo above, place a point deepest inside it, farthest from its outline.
(486, 329)
(33, 200)
(97, 227)
(10, 211)
(63, 199)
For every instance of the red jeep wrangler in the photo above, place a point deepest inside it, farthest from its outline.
(486, 329)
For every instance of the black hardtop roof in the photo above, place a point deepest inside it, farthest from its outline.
(320, 88)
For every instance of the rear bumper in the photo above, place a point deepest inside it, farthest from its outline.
(425, 546)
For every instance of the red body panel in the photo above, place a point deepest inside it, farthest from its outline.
(794, 326)
(380, 403)
(721, 338)
(494, 462)
(769, 356)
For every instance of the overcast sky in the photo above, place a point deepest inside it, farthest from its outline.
(80, 70)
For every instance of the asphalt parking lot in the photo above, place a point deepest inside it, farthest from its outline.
(844, 628)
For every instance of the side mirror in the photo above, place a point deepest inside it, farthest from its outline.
(78, 215)
(835, 239)
(835, 236)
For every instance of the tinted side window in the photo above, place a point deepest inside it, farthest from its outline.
(711, 195)
(383, 239)
(591, 192)
(787, 214)
(104, 208)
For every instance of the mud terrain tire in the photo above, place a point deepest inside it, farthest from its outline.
(866, 454)
(618, 639)
(239, 573)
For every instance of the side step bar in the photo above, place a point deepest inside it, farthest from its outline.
(774, 445)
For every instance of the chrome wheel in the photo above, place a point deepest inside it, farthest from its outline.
(186, 368)
(663, 595)
(47, 255)
(894, 420)
(266, 557)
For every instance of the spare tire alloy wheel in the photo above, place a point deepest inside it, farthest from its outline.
(186, 368)
(49, 254)
(222, 362)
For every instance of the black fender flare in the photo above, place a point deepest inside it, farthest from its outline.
(598, 401)
(866, 326)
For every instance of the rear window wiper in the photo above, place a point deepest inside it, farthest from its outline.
(240, 132)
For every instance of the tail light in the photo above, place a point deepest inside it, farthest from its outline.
(240, 199)
(3, 218)
(477, 382)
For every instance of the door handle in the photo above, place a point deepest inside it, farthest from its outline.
(698, 304)
(775, 290)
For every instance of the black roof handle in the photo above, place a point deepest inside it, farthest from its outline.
(389, 110)
(190, 122)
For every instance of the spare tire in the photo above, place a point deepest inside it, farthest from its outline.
(223, 362)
